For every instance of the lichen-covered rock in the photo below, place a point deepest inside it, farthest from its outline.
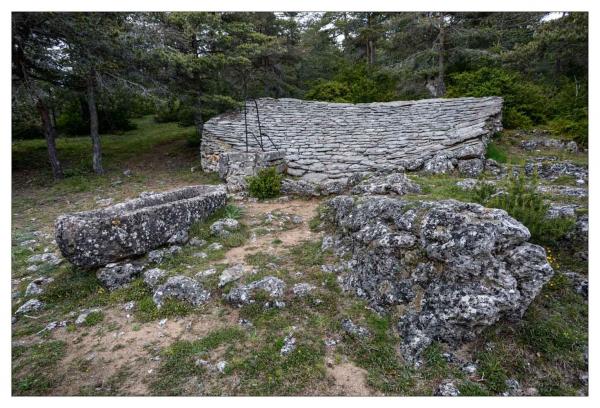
(447, 389)
(440, 164)
(568, 191)
(550, 169)
(180, 237)
(454, 267)
(243, 295)
(152, 277)
(396, 183)
(470, 167)
(353, 329)
(117, 275)
(224, 227)
(580, 283)
(48, 257)
(561, 211)
(32, 305)
(181, 288)
(299, 187)
(231, 274)
(96, 238)
(302, 289)
(36, 286)
(159, 255)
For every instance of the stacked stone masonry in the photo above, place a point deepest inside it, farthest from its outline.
(338, 139)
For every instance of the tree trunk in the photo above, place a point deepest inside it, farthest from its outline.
(50, 135)
(198, 122)
(441, 85)
(96, 147)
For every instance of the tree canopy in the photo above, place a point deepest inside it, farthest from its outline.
(88, 73)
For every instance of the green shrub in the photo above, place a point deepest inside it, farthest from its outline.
(357, 83)
(495, 152)
(233, 211)
(523, 202)
(266, 184)
(483, 191)
(575, 129)
(331, 91)
(523, 99)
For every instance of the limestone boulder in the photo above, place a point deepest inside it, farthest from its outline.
(453, 267)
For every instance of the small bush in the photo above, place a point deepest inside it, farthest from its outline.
(93, 319)
(266, 184)
(483, 191)
(523, 202)
(233, 211)
(331, 91)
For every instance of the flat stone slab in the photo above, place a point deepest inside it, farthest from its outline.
(99, 237)
(337, 139)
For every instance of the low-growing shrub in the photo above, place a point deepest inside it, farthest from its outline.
(266, 184)
(523, 202)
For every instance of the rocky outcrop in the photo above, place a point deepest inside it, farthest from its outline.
(337, 139)
(96, 238)
(376, 184)
(453, 267)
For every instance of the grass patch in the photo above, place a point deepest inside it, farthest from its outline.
(496, 152)
(266, 372)
(93, 318)
(33, 367)
(178, 363)
(307, 253)
(377, 354)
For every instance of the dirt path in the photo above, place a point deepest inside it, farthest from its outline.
(127, 357)
(254, 213)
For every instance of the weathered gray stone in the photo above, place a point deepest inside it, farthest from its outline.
(355, 330)
(224, 227)
(447, 389)
(242, 295)
(231, 274)
(47, 257)
(471, 167)
(96, 238)
(32, 305)
(302, 289)
(117, 275)
(181, 288)
(36, 286)
(152, 277)
(580, 283)
(336, 139)
(455, 267)
(440, 164)
(81, 318)
(561, 211)
(550, 168)
(396, 183)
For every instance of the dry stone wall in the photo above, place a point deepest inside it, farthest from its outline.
(332, 140)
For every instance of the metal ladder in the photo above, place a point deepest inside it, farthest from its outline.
(259, 138)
